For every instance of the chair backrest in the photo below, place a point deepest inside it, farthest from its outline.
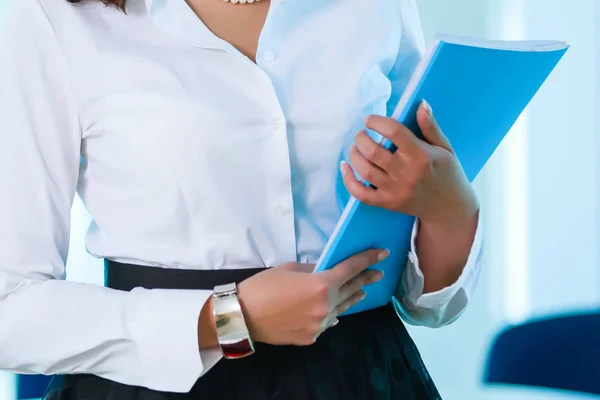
(32, 386)
(561, 352)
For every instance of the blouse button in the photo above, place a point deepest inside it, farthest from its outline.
(274, 124)
(269, 57)
(280, 210)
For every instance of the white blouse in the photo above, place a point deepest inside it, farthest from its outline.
(187, 155)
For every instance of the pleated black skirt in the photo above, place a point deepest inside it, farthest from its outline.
(368, 355)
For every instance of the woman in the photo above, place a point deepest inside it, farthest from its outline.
(204, 138)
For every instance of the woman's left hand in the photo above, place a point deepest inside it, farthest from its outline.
(422, 178)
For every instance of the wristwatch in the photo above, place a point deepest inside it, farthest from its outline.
(234, 337)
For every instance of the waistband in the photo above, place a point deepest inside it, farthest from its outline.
(126, 277)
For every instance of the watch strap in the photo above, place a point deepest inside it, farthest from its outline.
(232, 331)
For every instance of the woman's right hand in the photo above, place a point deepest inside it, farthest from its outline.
(290, 305)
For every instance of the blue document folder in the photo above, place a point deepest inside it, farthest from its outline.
(477, 89)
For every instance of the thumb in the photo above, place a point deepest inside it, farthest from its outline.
(430, 128)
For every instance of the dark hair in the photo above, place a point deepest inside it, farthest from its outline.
(117, 3)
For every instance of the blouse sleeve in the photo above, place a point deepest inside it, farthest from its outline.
(49, 325)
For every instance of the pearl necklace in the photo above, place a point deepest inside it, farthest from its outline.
(240, 1)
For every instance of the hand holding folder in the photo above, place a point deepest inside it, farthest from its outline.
(470, 84)
(422, 177)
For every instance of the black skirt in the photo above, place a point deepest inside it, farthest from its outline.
(368, 355)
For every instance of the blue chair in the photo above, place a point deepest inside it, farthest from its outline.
(32, 386)
(560, 352)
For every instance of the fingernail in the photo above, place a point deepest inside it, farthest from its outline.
(427, 107)
(383, 255)
(362, 296)
(342, 167)
(377, 276)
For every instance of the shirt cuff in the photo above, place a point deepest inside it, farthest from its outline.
(164, 329)
(437, 309)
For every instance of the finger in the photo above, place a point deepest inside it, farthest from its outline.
(367, 170)
(357, 283)
(352, 300)
(352, 266)
(430, 128)
(330, 322)
(363, 193)
(400, 135)
(373, 151)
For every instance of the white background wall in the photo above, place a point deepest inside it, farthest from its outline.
(539, 193)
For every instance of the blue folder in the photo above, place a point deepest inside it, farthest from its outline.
(477, 89)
